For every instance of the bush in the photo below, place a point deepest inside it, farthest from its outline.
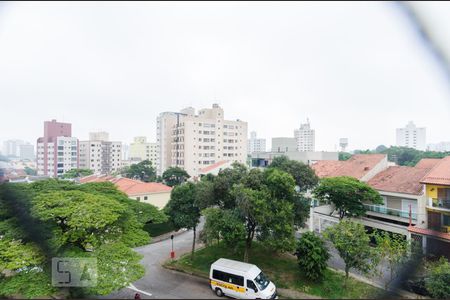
(438, 284)
(312, 256)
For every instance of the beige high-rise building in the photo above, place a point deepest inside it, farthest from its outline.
(140, 149)
(99, 154)
(194, 141)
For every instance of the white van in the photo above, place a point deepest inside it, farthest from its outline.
(240, 280)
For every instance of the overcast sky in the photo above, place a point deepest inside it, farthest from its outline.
(356, 70)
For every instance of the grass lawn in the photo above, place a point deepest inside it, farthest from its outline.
(158, 229)
(282, 269)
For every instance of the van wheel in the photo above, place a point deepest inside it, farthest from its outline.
(219, 292)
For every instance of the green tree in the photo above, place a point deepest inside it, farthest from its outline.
(30, 284)
(75, 173)
(183, 209)
(16, 255)
(393, 249)
(438, 283)
(352, 243)
(344, 156)
(175, 176)
(30, 171)
(304, 176)
(347, 194)
(143, 171)
(312, 255)
(82, 219)
(381, 149)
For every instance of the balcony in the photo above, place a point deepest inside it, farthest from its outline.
(443, 204)
(390, 211)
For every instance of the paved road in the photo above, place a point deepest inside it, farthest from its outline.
(163, 283)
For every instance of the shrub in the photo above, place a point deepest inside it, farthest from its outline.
(312, 256)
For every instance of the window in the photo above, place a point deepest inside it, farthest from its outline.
(230, 278)
(138, 198)
(251, 285)
(145, 198)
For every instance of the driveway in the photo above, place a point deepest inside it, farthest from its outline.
(162, 283)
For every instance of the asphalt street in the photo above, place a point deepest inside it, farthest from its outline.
(162, 283)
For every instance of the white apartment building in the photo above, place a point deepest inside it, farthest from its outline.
(305, 137)
(140, 149)
(57, 150)
(194, 141)
(11, 147)
(255, 145)
(55, 159)
(412, 137)
(100, 155)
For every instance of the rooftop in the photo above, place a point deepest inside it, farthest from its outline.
(427, 163)
(130, 187)
(439, 174)
(399, 179)
(210, 168)
(356, 166)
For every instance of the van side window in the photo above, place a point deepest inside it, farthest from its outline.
(230, 278)
(251, 285)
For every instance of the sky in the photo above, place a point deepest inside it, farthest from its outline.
(356, 70)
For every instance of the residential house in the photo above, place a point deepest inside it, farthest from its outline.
(154, 193)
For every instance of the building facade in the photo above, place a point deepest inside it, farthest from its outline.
(141, 150)
(57, 150)
(27, 152)
(284, 144)
(255, 145)
(100, 155)
(412, 137)
(194, 141)
(305, 137)
(12, 147)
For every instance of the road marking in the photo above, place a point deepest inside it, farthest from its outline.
(132, 287)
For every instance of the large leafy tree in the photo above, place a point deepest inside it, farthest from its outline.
(75, 173)
(312, 255)
(304, 176)
(393, 249)
(183, 209)
(438, 282)
(83, 219)
(352, 243)
(143, 170)
(175, 176)
(347, 194)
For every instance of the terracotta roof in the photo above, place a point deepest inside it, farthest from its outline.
(356, 166)
(213, 166)
(439, 174)
(399, 179)
(130, 187)
(325, 168)
(425, 231)
(427, 163)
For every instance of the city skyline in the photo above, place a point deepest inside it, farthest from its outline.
(278, 71)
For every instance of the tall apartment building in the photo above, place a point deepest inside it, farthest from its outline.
(99, 154)
(305, 137)
(57, 150)
(11, 147)
(255, 145)
(412, 136)
(140, 149)
(26, 151)
(284, 144)
(194, 141)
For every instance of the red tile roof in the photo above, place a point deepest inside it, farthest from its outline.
(130, 187)
(439, 174)
(213, 166)
(427, 163)
(425, 231)
(399, 179)
(356, 166)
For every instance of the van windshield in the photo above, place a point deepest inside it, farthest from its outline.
(262, 281)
